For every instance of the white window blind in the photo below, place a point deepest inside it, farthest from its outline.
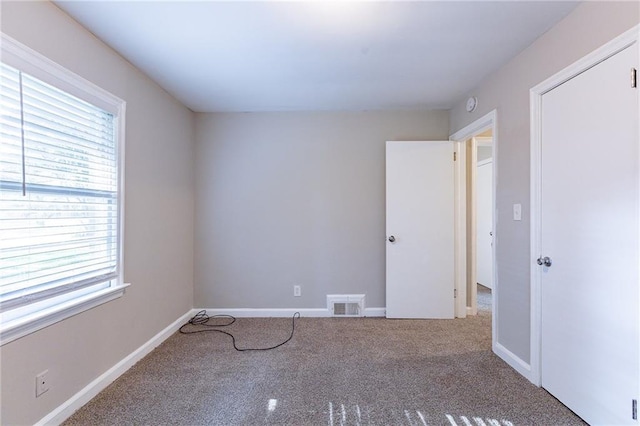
(59, 224)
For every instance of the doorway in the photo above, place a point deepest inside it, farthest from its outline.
(480, 208)
(480, 142)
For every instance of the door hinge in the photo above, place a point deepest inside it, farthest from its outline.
(455, 293)
(634, 78)
(455, 156)
(634, 409)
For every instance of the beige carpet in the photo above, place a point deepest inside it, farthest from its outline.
(483, 299)
(347, 371)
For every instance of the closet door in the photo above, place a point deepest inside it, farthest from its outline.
(589, 242)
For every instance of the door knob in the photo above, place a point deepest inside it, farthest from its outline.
(392, 239)
(546, 261)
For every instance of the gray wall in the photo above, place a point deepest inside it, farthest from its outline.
(295, 198)
(591, 25)
(158, 219)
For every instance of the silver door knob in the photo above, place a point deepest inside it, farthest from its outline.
(392, 239)
(546, 261)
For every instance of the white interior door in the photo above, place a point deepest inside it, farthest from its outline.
(484, 223)
(590, 232)
(420, 230)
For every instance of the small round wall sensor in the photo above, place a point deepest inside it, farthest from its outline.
(472, 103)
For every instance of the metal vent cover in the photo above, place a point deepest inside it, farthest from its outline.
(350, 309)
(345, 305)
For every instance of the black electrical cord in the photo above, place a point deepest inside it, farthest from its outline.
(202, 319)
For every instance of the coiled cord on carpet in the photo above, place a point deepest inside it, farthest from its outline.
(202, 319)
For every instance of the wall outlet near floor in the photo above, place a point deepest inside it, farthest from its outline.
(297, 291)
(42, 383)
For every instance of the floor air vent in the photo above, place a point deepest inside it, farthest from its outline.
(345, 305)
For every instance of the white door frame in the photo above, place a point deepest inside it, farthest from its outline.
(460, 230)
(618, 44)
(489, 121)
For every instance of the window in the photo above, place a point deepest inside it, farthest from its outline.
(60, 198)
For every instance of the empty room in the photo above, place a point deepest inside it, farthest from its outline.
(319, 212)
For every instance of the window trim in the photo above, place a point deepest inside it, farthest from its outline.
(27, 324)
(19, 56)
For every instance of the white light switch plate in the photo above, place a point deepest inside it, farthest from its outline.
(517, 212)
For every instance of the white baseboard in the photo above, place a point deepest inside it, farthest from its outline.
(375, 312)
(513, 360)
(70, 406)
(283, 313)
(265, 312)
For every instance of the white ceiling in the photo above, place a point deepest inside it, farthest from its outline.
(317, 55)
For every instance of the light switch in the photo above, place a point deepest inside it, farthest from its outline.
(517, 212)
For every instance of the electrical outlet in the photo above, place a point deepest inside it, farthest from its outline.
(517, 212)
(42, 383)
(297, 291)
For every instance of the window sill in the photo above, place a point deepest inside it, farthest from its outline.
(20, 327)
